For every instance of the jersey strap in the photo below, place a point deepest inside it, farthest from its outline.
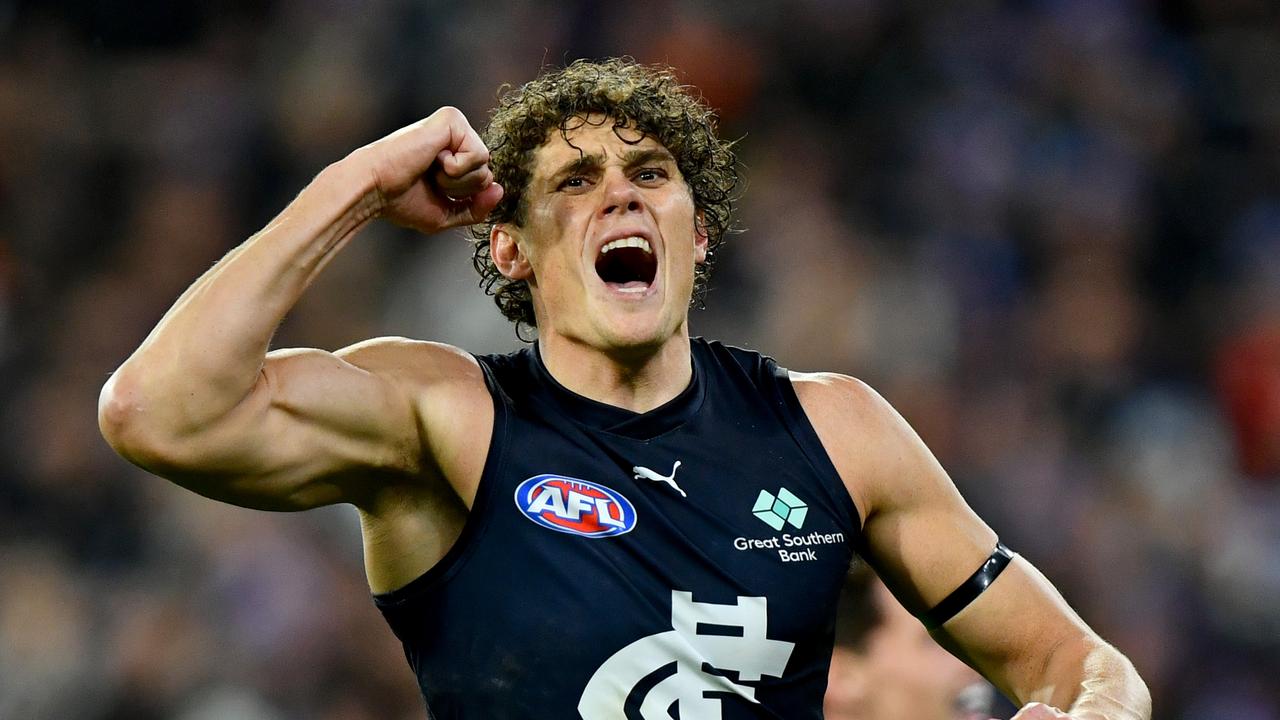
(977, 583)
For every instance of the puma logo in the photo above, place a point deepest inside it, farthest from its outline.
(644, 473)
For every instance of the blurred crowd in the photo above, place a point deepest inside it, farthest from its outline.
(1048, 231)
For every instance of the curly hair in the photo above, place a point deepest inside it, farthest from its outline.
(646, 99)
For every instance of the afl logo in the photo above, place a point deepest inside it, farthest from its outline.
(575, 506)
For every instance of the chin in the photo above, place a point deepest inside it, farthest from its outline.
(634, 342)
(642, 335)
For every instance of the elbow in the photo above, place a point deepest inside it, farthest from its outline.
(118, 413)
(123, 420)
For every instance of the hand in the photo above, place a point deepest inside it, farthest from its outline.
(433, 174)
(1040, 711)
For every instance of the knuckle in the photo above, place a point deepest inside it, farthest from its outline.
(1034, 711)
(449, 111)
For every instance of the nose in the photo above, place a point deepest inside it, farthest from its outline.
(621, 196)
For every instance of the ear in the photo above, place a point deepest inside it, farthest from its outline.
(507, 254)
(699, 238)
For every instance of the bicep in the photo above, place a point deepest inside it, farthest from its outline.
(925, 541)
(919, 533)
(316, 429)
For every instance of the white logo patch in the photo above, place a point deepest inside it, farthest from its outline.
(751, 654)
(644, 473)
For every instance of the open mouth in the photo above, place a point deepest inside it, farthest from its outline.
(627, 264)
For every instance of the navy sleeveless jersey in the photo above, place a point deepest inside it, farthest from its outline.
(680, 563)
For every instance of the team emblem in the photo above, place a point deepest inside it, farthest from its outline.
(575, 506)
(698, 684)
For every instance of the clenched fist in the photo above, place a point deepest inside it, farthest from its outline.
(431, 175)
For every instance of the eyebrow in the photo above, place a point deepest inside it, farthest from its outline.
(643, 156)
(573, 167)
(630, 160)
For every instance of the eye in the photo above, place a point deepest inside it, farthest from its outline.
(650, 175)
(572, 182)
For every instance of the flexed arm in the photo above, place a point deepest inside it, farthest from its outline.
(203, 403)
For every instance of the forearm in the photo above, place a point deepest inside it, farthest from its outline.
(205, 355)
(1110, 688)
(1024, 637)
(1089, 679)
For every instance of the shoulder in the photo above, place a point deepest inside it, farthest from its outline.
(406, 354)
(444, 384)
(414, 362)
(847, 401)
(438, 374)
(869, 443)
(446, 389)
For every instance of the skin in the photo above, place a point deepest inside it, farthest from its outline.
(627, 350)
(900, 673)
(391, 425)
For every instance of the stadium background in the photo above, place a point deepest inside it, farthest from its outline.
(1049, 232)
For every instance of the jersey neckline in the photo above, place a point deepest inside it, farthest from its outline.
(621, 421)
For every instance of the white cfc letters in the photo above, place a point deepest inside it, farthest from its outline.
(751, 655)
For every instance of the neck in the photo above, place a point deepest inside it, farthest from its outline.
(632, 378)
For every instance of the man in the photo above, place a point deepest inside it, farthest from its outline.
(618, 521)
(886, 667)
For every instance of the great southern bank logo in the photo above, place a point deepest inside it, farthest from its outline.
(778, 510)
(575, 506)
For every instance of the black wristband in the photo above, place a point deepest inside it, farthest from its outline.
(968, 591)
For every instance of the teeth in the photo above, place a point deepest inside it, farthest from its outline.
(634, 242)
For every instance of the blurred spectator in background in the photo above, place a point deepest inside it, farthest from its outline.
(886, 667)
